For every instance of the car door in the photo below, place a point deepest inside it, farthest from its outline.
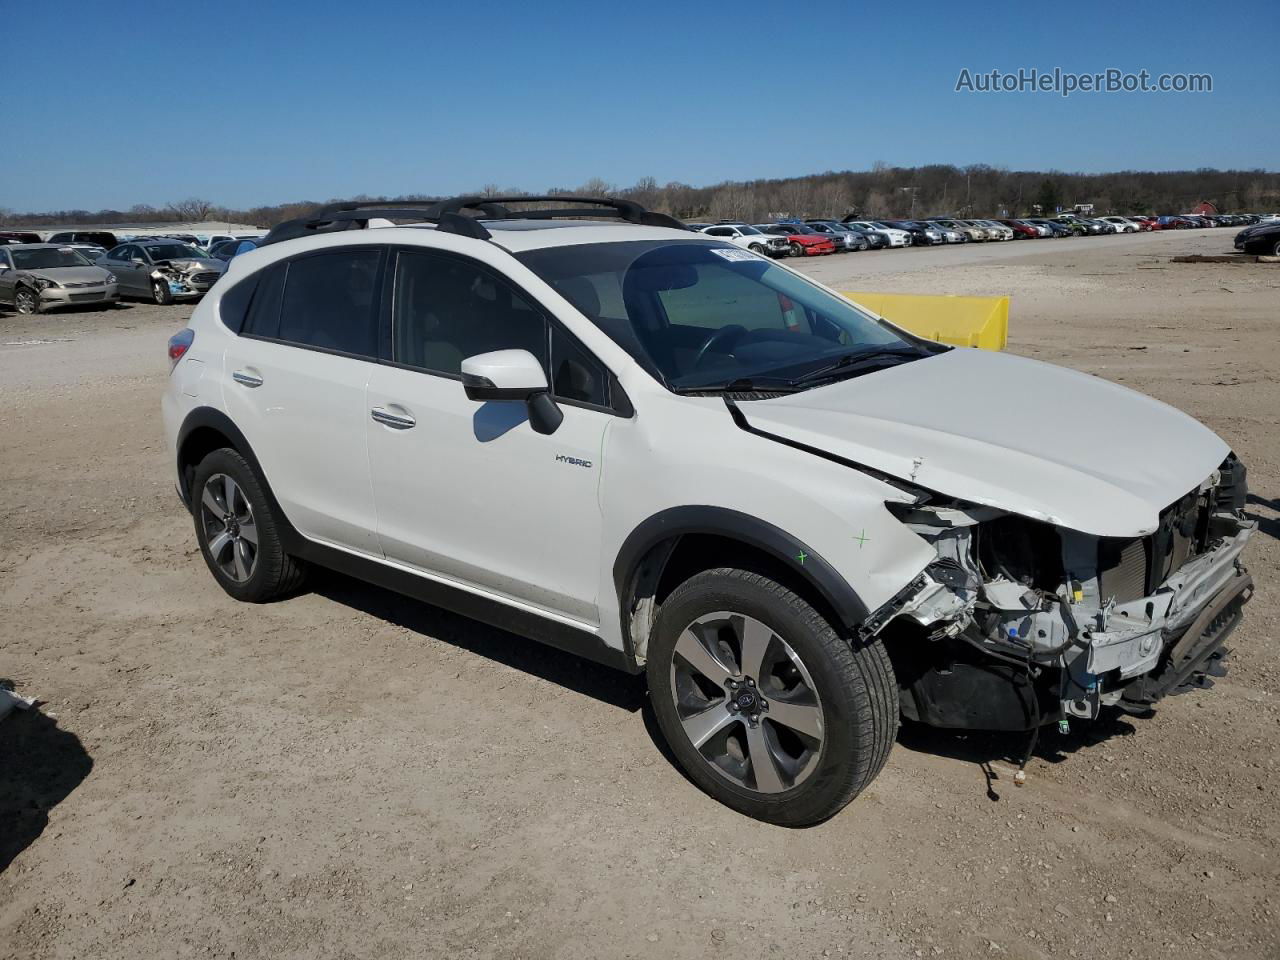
(7, 277)
(134, 277)
(467, 492)
(294, 381)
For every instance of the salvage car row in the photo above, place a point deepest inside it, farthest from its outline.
(95, 267)
(818, 236)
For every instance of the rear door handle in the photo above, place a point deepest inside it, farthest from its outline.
(398, 421)
(247, 378)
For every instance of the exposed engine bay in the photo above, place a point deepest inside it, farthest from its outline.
(1018, 622)
(185, 276)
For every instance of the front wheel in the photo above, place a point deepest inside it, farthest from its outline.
(26, 300)
(797, 250)
(161, 293)
(767, 707)
(756, 248)
(1275, 250)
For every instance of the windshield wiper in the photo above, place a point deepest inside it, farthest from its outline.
(862, 361)
(745, 385)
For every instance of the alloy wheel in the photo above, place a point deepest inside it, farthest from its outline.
(229, 526)
(26, 302)
(747, 702)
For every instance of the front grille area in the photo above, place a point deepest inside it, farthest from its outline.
(90, 283)
(76, 297)
(1130, 569)
(206, 278)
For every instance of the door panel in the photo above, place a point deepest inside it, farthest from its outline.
(471, 493)
(303, 413)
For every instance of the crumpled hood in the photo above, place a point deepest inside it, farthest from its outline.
(1042, 441)
(69, 274)
(194, 265)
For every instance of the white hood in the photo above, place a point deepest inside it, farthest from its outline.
(1027, 437)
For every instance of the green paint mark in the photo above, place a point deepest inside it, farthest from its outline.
(802, 557)
(862, 538)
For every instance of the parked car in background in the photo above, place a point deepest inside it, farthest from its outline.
(1055, 229)
(228, 249)
(921, 235)
(1174, 223)
(999, 230)
(892, 236)
(35, 277)
(970, 234)
(162, 270)
(1262, 238)
(1021, 231)
(18, 236)
(845, 238)
(741, 234)
(805, 241)
(102, 238)
(210, 240)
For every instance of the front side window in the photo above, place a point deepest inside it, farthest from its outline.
(447, 309)
(700, 315)
(330, 302)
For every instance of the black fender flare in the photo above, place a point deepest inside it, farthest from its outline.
(732, 524)
(214, 419)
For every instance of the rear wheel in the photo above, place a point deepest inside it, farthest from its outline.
(161, 293)
(26, 300)
(238, 532)
(766, 706)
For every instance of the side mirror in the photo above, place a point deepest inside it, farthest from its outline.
(513, 375)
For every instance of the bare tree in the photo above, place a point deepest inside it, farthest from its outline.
(191, 210)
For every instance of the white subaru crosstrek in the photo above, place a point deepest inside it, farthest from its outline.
(656, 449)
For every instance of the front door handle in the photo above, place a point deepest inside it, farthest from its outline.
(397, 421)
(247, 378)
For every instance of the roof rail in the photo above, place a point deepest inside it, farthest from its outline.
(495, 208)
(447, 215)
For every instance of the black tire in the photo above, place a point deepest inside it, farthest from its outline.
(161, 295)
(854, 683)
(797, 250)
(756, 248)
(26, 301)
(274, 573)
(1275, 249)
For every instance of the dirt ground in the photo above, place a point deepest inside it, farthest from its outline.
(348, 774)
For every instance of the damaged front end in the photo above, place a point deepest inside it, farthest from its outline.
(1018, 622)
(185, 278)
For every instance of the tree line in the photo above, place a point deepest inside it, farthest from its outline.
(882, 192)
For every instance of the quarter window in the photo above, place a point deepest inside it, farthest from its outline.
(330, 302)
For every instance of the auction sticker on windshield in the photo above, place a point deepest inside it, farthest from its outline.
(733, 254)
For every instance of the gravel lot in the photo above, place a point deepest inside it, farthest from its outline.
(347, 774)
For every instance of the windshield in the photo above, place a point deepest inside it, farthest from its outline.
(702, 316)
(45, 258)
(173, 251)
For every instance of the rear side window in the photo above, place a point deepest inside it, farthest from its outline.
(263, 317)
(330, 302)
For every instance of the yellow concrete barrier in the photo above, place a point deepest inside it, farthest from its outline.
(963, 321)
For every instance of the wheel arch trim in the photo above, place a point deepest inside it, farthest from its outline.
(668, 526)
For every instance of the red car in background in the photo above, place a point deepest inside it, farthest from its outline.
(1020, 230)
(805, 241)
(1146, 223)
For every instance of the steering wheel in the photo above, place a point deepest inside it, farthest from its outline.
(733, 330)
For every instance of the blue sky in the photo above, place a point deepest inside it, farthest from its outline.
(245, 102)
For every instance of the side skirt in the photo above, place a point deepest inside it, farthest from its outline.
(561, 636)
